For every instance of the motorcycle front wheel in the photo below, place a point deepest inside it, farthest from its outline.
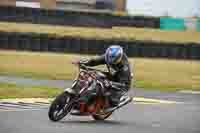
(59, 108)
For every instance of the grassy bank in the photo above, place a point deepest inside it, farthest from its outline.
(15, 91)
(160, 74)
(99, 33)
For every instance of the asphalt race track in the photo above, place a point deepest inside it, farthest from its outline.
(180, 117)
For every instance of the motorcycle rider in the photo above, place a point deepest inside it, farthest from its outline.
(119, 74)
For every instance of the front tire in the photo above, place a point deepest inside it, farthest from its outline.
(57, 109)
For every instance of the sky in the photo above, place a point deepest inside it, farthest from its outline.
(175, 8)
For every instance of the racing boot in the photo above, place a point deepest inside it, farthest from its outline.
(124, 100)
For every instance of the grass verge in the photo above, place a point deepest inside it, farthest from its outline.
(15, 91)
(128, 33)
(162, 74)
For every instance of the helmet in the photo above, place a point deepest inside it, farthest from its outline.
(114, 54)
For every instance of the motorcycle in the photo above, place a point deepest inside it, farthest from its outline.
(87, 80)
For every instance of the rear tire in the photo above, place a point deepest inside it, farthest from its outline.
(101, 102)
(101, 117)
(58, 105)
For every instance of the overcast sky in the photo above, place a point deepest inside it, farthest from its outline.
(177, 8)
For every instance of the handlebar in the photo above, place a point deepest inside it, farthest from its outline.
(82, 66)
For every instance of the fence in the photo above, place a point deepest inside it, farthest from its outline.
(43, 42)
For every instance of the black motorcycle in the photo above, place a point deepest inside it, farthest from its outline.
(88, 79)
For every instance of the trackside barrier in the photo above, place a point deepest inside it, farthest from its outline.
(172, 24)
(74, 18)
(198, 25)
(135, 48)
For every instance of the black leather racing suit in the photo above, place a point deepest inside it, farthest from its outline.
(120, 76)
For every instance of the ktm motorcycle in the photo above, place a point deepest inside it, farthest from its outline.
(87, 80)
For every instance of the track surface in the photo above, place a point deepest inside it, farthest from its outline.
(138, 118)
(134, 118)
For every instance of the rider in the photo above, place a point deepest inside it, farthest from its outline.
(119, 74)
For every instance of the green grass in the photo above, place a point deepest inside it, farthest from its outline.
(16, 91)
(162, 74)
(115, 33)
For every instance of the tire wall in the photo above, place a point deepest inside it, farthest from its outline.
(44, 42)
(73, 18)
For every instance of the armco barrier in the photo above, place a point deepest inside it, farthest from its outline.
(44, 42)
(74, 18)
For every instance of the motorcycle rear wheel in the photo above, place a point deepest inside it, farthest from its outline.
(101, 117)
(58, 109)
